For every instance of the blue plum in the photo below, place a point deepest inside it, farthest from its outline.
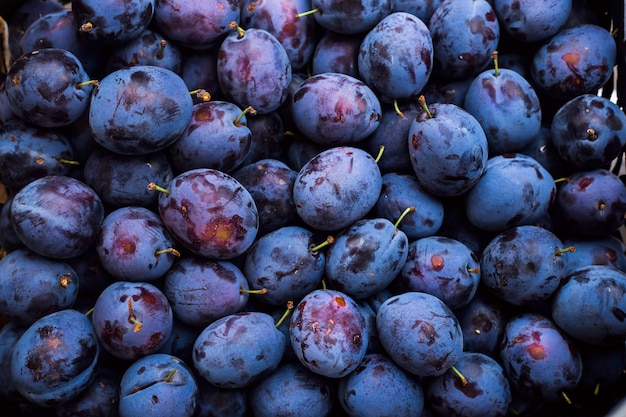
(513, 190)
(57, 216)
(55, 358)
(221, 402)
(132, 319)
(100, 398)
(350, 17)
(201, 290)
(539, 359)
(51, 285)
(590, 305)
(442, 267)
(396, 56)
(464, 35)
(45, 87)
(110, 21)
(292, 390)
(253, 69)
(158, 385)
(366, 257)
(150, 47)
(335, 109)
(284, 263)
(484, 391)
(423, 9)
(589, 131)
(134, 245)
(532, 21)
(139, 110)
(380, 388)
(216, 137)
(483, 320)
(400, 191)
(210, 213)
(591, 203)
(335, 52)
(599, 250)
(448, 149)
(419, 333)
(565, 66)
(507, 107)
(337, 187)
(328, 333)
(238, 350)
(524, 264)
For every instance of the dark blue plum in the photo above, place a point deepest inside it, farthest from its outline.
(269, 137)
(270, 182)
(57, 216)
(44, 87)
(139, 110)
(447, 91)
(210, 213)
(532, 21)
(199, 70)
(378, 387)
(400, 191)
(392, 131)
(396, 56)
(181, 340)
(350, 17)
(216, 137)
(54, 360)
(100, 398)
(335, 52)
(420, 333)
(524, 264)
(221, 402)
(149, 48)
(201, 290)
(337, 187)
(328, 333)
(158, 385)
(507, 107)
(542, 149)
(284, 263)
(442, 267)
(253, 69)
(57, 30)
(589, 131)
(110, 21)
(539, 359)
(134, 245)
(513, 190)
(121, 180)
(366, 257)
(590, 305)
(484, 391)
(464, 35)
(591, 203)
(196, 24)
(23, 15)
(10, 333)
(279, 17)
(565, 66)
(456, 226)
(132, 319)
(335, 109)
(292, 390)
(28, 152)
(92, 277)
(448, 149)
(238, 350)
(482, 321)
(423, 9)
(600, 250)
(51, 285)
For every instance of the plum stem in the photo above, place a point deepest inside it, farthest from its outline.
(381, 149)
(285, 314)
(248, 110)
(88, 312)
(153, 187)
(170, 375)
(329, 240)
(240, 31)
(201, 94)
(95, 83)
(86, 27)
(473, 270)
(307, 13)
(422, 102)
(161, 50)
(131, 316)
(494, 56)
(566, 398)
(168, 250)
(596, 389)
(559, 251)
(562, 179)
(397, 108)
(67, 161)
(248, 291)
(65, 280)
(460, 375)
(406, 211)
(592, 134)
